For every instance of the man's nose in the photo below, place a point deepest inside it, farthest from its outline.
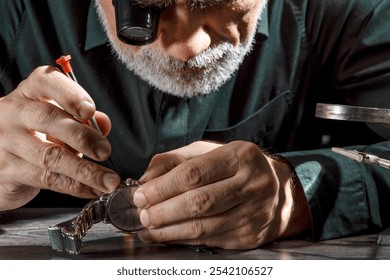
(183, 33)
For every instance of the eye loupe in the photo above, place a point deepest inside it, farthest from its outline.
(136, 24)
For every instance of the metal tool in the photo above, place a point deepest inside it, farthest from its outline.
(352, 113)
(64, 62)
(384, 236)
(362, 157)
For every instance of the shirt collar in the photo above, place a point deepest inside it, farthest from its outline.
(95, 35)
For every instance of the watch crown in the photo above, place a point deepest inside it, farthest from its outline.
(130, 182)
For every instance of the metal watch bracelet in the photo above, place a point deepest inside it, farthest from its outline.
(67, 236)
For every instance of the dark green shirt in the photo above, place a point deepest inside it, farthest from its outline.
(306, 51)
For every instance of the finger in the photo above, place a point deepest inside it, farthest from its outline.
(236, 239)
(195, 149)
(104, 122)
(189, 230)
(163, 163)
(102, 119)
(216, 231)
(249, 233)
(46, 83)
(56, 159)
(49, 138)
(49, 119)
(201, 202)
(209, 201)
(160, 165)
(27, 174)
(199, 171)
(233, 229)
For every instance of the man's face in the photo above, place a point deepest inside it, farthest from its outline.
(199, 45)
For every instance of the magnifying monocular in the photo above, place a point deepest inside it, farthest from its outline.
(136, 24)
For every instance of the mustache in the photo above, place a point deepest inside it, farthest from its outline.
(205, 59)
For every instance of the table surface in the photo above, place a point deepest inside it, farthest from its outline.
(24, 236)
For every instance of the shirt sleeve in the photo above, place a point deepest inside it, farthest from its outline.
(345, 197)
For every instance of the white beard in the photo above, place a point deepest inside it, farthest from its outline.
(200, 75)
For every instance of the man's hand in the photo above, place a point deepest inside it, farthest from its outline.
(230, 196)
(43, 132)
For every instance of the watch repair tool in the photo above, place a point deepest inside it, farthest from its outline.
(362, 157)
(116, 208)
(64, 62)
(136, 24)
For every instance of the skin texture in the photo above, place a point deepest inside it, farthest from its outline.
(189, 197)
(232, 196)
(43, 134)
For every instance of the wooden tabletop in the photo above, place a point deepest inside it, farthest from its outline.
(24, 236)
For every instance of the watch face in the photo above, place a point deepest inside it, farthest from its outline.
(121, 210)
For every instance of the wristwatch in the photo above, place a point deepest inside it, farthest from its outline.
(116, 208)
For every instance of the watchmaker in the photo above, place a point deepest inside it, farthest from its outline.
(215, 115)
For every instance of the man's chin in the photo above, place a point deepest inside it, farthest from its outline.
(185, 89)
(181, 83)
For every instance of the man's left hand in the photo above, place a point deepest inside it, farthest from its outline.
(231, 196)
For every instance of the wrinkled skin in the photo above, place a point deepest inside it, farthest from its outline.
(231, 196)
(42, 137)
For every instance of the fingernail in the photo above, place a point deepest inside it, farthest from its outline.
(86, 110)
(111, 181)
(144, 178)
(139, 199)
(102, 149)
(144, 217)
(97, 193)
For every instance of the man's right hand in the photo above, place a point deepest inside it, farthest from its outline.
(43, 133)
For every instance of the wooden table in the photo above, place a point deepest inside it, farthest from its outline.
(24, 236)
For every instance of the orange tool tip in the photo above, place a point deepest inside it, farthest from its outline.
(64, 61)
